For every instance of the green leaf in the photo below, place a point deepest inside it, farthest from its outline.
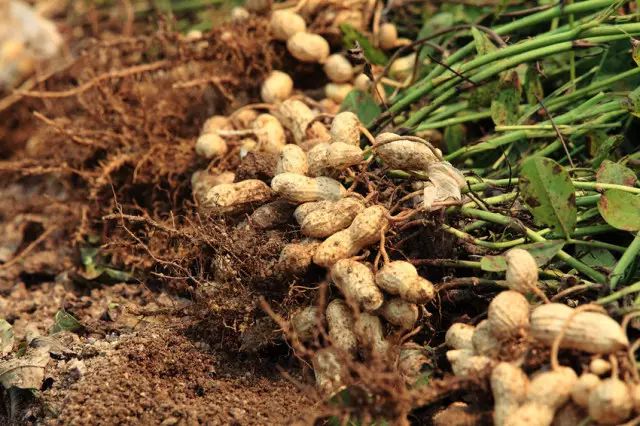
(548, 192)
(504, 107)
(482, 42)
(373, 54)
(493, 263)
(598, 257)
(6, 337)
(533, 86)
(363, 105)
(604, 147)
(610, 172)
(543, 251)
(64, 321)
(635, 51)
(620, 209)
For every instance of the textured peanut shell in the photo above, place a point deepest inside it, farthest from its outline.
(307, 47)
(210, 145)
(400, 313)
(292, 159)
(272, 214)
(522, 270)
(295, 258)
(569, 415)
(338, 68)
(276, 87)
(295, 116)
(400, 278)
(270, 133)
(610, 402)
(363, 231)
(465, 363)
(341, 326)
(324, 159)
(370, 333)
(588, 331)
(355, 281)
(552, 388)
(509, 385)
(581, 390)
(329, 218)
(302, 189)
(404, 154)
(411, 359)
(202, 181)
(484, 341)
(530, 414)
(459, 336)
(285, 23)
(345, 128)
(229, 197)
(508, 314)
(304, 322)
(328, 370)
(634, 394)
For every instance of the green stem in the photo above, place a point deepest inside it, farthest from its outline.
(598, 244)
(627, 259)
(475, 116)
(488, 244)
(633, 288)
(584, 231)
(595, 186)
(566, 257)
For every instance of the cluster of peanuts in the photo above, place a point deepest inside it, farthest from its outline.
(290, 26)
(556, 396)
(337, 225)
(316, 149)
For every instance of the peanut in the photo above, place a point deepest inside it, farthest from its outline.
(270, 133)
(412, 358)
(341, 326)
(338, 68)
(459, 336)
(232, 197)
(307, 47)
(400, 313)
(276, 87)
(484, 341)
(599, 366)
(371, 335)
(304, 323)
(295, 258)
(286, 23)
(296, 117)
(522, 270)
(610, 402)
(325, 158)
(329, 371)
(465, 363)
(401, 278)
(292, 159)
(355, 281)
(273, 214)
(345, 128)
(508, 314)
(302, 189)
(587, 331)
(509, 385)
(402, 67)
(210, 145)
(215, 123)
(404, 154)
(324, 218)
(581, 390)
(388, 36)
(363, 231)
(337, 92)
